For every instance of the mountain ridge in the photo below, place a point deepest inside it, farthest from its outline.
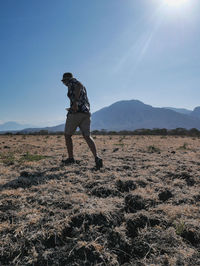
(134, 114)
(12, 125)
(179, 110)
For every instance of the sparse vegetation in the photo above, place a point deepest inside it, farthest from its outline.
(180, 227)
(119, 144)
(142, 208)
(184, 146)
(32, 157)
(153, 149)
(7, 158)
(122, 138)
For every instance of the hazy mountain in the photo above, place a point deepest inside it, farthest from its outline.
(133, 114)
(179, 110)
(50, 129)
(12, 126)
(196, 112)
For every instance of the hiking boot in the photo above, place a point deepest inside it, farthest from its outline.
(68, 161)
(99, 162)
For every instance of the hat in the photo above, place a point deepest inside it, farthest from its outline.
(67, 75)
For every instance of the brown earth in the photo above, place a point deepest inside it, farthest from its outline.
(142, 208)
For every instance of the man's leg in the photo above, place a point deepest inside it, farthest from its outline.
(85, 129)
(91, 145)
(69, 144)
(70, 128)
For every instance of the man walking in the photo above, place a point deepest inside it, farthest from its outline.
(78, 116)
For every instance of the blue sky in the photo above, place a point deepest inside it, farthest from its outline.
(119, 49)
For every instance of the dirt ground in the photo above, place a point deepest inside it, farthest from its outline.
(141, 208)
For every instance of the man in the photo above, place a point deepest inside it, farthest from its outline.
(78, 116)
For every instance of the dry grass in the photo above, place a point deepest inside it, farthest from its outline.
(142, 208)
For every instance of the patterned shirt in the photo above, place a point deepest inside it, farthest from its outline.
(83, 102)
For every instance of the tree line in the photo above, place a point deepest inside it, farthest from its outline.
(153, 132)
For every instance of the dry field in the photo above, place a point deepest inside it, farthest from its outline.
(142, 208)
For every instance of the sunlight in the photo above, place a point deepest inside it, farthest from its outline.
(176, 3)
(183, 8)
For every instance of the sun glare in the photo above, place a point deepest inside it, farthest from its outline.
(176, 3)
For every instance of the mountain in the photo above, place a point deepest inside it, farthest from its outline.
(179, 110)
(133, 114)
(196, 112)
(12, 126)
(57, 128)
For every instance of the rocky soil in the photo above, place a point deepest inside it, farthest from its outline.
(141, 208)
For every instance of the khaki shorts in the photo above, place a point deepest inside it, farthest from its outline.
(81, 120)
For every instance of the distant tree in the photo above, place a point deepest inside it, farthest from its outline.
(194, 132)
(95, 132)
(113, 133)
(159, 131)
(103, 131)
(43, 132)
(8, 133)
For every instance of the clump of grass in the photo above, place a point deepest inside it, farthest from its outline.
(122, 138)
(8, 159)
(180, 227)
(120, 141)
(32, 157)
(153, 149)
(183, 147)
(119, 144)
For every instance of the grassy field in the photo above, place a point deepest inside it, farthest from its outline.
(142, 208)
